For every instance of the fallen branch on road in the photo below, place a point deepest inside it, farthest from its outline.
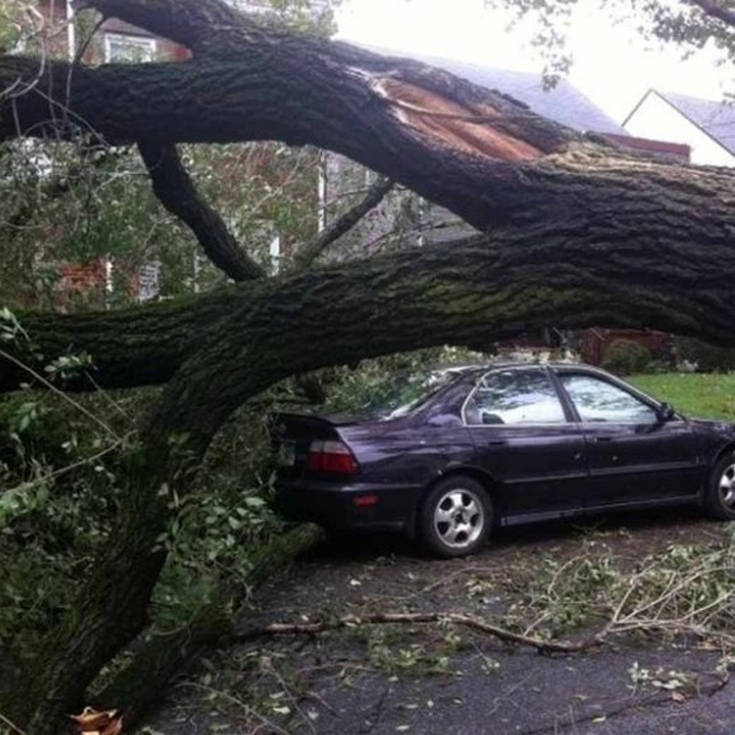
(544, 647)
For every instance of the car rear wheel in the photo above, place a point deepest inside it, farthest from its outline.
(719, 499)
(456, 517)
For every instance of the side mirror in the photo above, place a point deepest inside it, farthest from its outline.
(666, 413)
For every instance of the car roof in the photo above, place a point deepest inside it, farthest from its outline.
(521, 365)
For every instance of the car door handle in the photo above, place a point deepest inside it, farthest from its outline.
(603, 438)
(497, 443)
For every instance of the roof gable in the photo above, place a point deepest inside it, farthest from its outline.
(564, 103)
(717, 119)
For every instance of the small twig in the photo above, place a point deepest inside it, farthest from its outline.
(12, 725)
(667, 594)
(294, 700)
(310, 252)
(64, 396)
(113, 403)
(468, 621)
(25, 486)
(265, 722)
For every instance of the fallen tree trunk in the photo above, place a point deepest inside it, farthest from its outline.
(475, 293)
(477, 152)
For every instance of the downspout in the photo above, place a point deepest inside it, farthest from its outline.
(71, 34)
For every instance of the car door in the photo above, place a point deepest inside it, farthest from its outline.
(633, 454)
(527, 440)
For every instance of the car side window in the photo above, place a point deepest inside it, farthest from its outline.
(597, 400)
(514, 397)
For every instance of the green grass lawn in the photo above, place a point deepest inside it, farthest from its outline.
(697, 396)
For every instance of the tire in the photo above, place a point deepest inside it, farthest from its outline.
(719, 496)
(456, 517)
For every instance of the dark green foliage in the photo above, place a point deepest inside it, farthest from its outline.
(392, 381)
(625, 357)
(53, 519)
(60, 499)
(704, 357)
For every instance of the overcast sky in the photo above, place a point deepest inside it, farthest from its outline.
(613, 65)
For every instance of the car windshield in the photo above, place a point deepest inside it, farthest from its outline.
(398, 395)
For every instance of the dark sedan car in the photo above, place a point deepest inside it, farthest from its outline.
(502, 445)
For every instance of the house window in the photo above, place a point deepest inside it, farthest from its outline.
(136, 49)
(275, 252)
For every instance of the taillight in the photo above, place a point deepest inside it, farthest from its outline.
(331, 456)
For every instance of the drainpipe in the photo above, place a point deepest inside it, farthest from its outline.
(71, 35)
(322, 193)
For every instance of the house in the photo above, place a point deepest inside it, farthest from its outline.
(114, 41)
(117, 41)
(706, 126)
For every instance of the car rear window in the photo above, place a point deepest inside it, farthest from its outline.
(395, 396)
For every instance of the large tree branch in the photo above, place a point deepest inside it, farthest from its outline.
(343, 224)
(570, 272)
(434, 133)
(176, 191)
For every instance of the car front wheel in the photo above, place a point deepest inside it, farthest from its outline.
(456, 517)
(719, 500)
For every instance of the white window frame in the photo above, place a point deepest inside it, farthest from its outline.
(147, 45)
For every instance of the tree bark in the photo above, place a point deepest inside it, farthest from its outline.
(140, 684)
(176, 191)
(663, 263)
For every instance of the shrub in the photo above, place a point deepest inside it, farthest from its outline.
(625, 357)
(705, 358)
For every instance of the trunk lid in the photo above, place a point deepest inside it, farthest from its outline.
(292, 435)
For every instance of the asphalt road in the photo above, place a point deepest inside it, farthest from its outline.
(418, 679)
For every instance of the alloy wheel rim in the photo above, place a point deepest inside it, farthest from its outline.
(727, 487)
(459, 518)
